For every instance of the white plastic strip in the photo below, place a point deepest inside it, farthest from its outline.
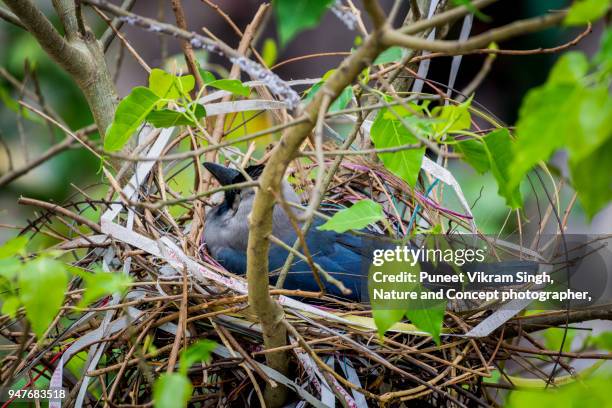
(424, 65)
(499, 317)
(142, 169)
(327, 395)
(352, 376)
(279, 378)
(456, 62)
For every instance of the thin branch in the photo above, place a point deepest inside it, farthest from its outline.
(533, 51)
(124, 41)
(269, 312)
(181, 22)
(29, 166)
(62, 211)
(63, 128)
(67, 12)
(11, 18)
(107, 37)
(444, 18)
(376, 13)
(393, 37)
(47, 36)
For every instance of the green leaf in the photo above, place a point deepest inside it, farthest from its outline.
(130, 114)
(9, 267)
(387, 312)
(10, 305)
(593, 112)
(498, 147)
(165, 118)
(100, 283)
(588, 393)
(296, 16)
(14, 246)
(387, 133)
(231, 85)
(172, 391)
(359, 215)
(391, 54)
(428, 317)
(603, 341)
(604, 54)
(269, 52)
(199, 351)
(452, 118)
(591, 179)
(546, 116)
(42, 285)
(584, 11)
(168, 86)
(472, 9)
(493, 152)
(474, 154)
(207, 76)
(386, 318)
(570, 68)
(553, 337)
(342, 100)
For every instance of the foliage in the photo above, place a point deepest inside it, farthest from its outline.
(269, 52)
(573, 109)
(584, 11)
(296, 16)
(590, 393)
(130, 114)
(359, 215)
(174, 389)
(339, 103)
(38, 284)
(426, 314)
(391, 54)
(493, 152)
(231, 85)
(388, 132)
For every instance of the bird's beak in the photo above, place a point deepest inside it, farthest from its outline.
(223, 174)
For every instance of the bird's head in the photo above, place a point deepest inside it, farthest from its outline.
(227, 176)
(227, 224)
(234, 197)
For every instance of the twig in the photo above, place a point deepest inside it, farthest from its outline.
(107, 37)
(192, 64)
(60, 210)
(392, 37)
(11, 18)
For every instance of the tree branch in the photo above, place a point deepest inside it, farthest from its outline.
(47, 36)
(376, 13)
(393, 37)
(443, 18)
(534, 323)
(268, 311)
(66, 10)
(81, 57)
(181, 22)
(11, 18)
(107, 37)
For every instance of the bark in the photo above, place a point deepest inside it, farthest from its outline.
(267, 309)
(78, 53)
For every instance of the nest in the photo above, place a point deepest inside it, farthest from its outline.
(180, 294)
